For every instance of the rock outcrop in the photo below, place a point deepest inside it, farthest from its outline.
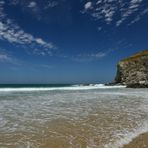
(133, 71)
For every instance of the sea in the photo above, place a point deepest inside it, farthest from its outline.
(71, 116)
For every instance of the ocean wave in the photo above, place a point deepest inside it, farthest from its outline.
(127, 136)
(74, 87)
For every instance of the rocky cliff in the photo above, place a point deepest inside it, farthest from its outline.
(133, 71)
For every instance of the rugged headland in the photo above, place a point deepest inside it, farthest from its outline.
(133, 71)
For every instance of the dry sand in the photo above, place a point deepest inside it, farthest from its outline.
(139, 142)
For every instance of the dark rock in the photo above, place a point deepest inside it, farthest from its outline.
(113, 84)
(133, 71)
(137, 86)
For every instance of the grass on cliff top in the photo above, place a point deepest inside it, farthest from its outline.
(136, 56)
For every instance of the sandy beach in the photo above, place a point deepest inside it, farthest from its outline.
(139, 142)
(66, 117)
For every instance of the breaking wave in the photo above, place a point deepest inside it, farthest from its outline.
(73, 87)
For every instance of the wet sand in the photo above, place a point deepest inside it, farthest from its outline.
(139, 142)
(63, 119)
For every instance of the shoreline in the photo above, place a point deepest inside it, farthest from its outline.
(139, 142)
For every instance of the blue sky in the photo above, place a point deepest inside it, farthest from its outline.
(69, 41)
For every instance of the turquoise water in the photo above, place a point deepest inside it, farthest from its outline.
(71, 116)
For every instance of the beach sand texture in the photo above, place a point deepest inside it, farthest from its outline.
(139, 142)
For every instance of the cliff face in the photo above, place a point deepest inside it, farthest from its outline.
(133, 71)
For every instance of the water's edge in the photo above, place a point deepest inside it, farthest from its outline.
(115, 115)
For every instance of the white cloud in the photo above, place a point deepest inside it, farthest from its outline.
(136, 1)
(11, 32)
(86, 57)
(139, 16)
(2, 2)
(7, 57)
(108, 14)
(99, 55)
(32, 4)
(88, 5)
(89, 57)
(4, 57)
(127, 12)
(44, 44)
(109, 10)
(51, 4)
(102, 10)
(99, 2)
(40, 41)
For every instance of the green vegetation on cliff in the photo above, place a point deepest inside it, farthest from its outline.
(136, 56)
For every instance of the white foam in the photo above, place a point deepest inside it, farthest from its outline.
(128, 137)
(74, 87)
(2, 122)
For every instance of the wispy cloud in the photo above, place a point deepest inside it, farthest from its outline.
(6, 57)
(34, 7)
(101, 10)
(132, 7)
(13, 33)
(139, 16)
(99, 28)
(46, 66)
(115, 12)
(85, 57)
(51, 4)
(89, 57)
